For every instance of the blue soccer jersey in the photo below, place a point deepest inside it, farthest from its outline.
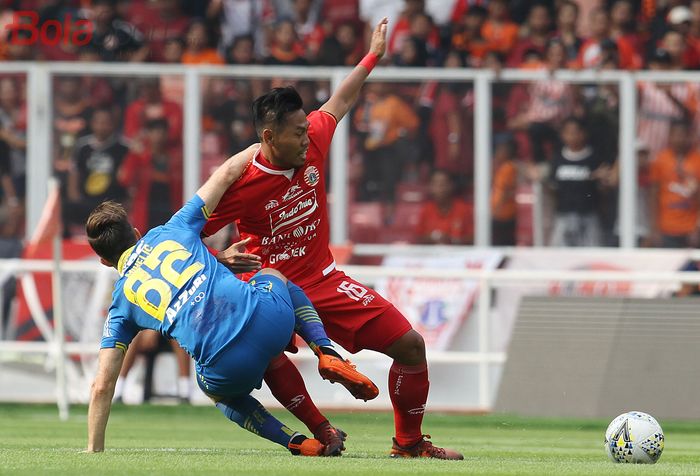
(169, 282)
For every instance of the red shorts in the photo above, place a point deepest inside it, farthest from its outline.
(355, 316)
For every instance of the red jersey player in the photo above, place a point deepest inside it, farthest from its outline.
(279, 204)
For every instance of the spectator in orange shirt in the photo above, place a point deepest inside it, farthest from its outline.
(308, 27)
(504, 184)
(673, 195)
(445, 219)
(500, 33)
(198, 48)
(286, 48)
(467, 37)
(388, 124)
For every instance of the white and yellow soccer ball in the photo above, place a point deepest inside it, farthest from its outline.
(634, 437)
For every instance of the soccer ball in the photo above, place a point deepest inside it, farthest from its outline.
(634, 437)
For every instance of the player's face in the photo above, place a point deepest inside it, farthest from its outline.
(290, 141)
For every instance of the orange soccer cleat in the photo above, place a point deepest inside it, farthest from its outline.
(332, 367)
(423, 449)
(300, 445)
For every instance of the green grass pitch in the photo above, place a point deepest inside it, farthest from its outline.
(199, 440)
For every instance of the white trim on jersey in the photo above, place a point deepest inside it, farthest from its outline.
(289, 173)
(327, 270)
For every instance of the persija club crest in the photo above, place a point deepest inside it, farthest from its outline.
(311, 176)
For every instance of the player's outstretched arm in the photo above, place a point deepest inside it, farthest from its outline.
(222, 178)
(110, 363)
(345, 96)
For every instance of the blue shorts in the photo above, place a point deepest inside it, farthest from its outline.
(240, 368)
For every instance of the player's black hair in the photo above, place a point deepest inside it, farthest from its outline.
(574, 120)
(270, 109)
(109, 231)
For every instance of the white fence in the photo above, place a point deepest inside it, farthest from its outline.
(478, 369)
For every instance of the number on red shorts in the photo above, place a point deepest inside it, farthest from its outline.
(352, 290)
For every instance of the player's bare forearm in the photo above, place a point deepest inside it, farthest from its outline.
(223, 177)
(345, 96)
(110, 363)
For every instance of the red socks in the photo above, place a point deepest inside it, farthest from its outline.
(408, 389)
(288, 387)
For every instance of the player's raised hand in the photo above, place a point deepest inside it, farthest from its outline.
(377, 44)
(237, 260)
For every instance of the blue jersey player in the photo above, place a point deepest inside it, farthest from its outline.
(169, 282)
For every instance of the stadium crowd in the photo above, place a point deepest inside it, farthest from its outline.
(411, 151)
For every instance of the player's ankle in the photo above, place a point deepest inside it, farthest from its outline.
(329, 350)
(295, 442)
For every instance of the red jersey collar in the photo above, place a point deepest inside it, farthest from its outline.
(263, 164)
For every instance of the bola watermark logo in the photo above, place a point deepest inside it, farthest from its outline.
(26, 30)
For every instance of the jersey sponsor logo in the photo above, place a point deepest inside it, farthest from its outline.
(182, 298)
(298, 232)
(355, 292)
(311, 176)
(271, 204)
(289, 254)
(292, 192)
(294, 213)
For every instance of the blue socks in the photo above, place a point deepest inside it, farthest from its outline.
(251, 415)
(307, 323)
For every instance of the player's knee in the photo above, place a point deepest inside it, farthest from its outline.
(273, 272)
(409, 349)
(101, 388)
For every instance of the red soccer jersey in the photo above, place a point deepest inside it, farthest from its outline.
(284, 212)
